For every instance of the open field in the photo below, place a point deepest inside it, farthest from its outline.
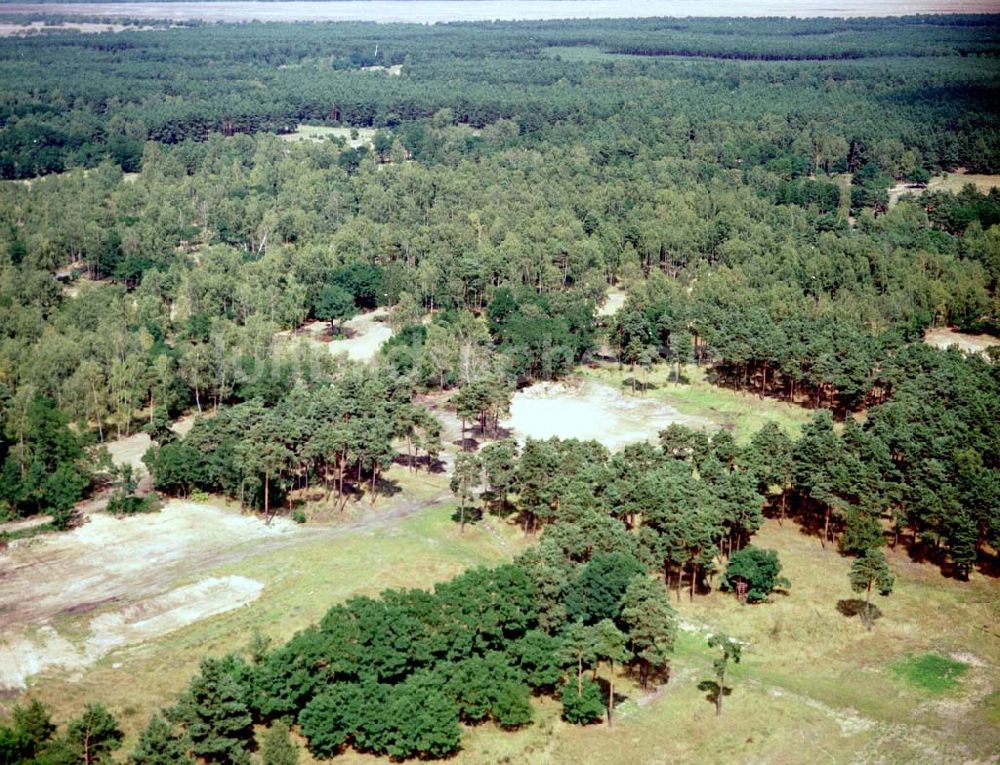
(322, 132)
(614, 302)
(589, 409)
(953, 182)
(945, 337)
(742, 413)
(814, 685)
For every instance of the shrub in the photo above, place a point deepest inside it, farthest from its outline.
(758, 568)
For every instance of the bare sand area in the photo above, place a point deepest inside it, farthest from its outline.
(945, 337)
(322, 132)
(953, 182)
(33, 28)
(126, 573)
(361, 337)
(130, 450)
(592, 410)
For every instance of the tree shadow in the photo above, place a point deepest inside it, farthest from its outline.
(868, 613)
(472, 515)
(387, 488)
(638, 386)
(466, 444)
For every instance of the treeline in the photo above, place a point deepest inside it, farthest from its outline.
(94, 96)
(336, 435)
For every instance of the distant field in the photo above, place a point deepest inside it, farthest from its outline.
(953, 182)
(322, 132)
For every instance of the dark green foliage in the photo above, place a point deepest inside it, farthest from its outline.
(335, 303)
(597, 592)
(160, 744)
(215, 714)
(758, 569)
(93, 736)
(30, 732)
(584, 707)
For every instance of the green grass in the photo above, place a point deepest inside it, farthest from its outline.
(742, 413)
(931, 672)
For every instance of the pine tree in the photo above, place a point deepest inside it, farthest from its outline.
(159, 744)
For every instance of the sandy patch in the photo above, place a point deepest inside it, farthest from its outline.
(8, 29)
(945, 337)
(24, 655)
(952, 182)
(368, 332)
(322, 132)
(393, 71)
(129, 451)
(121, 561)
(592, 410)
(613, 304)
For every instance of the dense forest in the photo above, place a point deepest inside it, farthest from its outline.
(159, 234)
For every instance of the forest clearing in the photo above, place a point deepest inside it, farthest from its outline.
(829, 684)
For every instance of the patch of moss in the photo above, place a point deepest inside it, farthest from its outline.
(930, 671)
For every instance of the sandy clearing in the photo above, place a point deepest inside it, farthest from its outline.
(592, 410)
(26, 654)
(33, 28)
(120, 560)
(368, 333)
(130, 450)
(124, 574)
(945, 337)
(393, 71)
(952, 182)
(613, 304)
(322, 132)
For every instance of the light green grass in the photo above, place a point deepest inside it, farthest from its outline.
(931, 672)
(743, 413)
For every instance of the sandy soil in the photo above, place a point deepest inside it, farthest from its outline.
(945, 337)
(321, 132)
(393, 71)
(132, 577)
(614, 303)
(591, 410)
(22, 656)
(130, 566)
(368, 331)
(952, 182)
(130, 450)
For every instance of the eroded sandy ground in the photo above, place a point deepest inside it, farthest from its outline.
(592, 410)
(368, 332)
(945, 337)
(124, 571)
